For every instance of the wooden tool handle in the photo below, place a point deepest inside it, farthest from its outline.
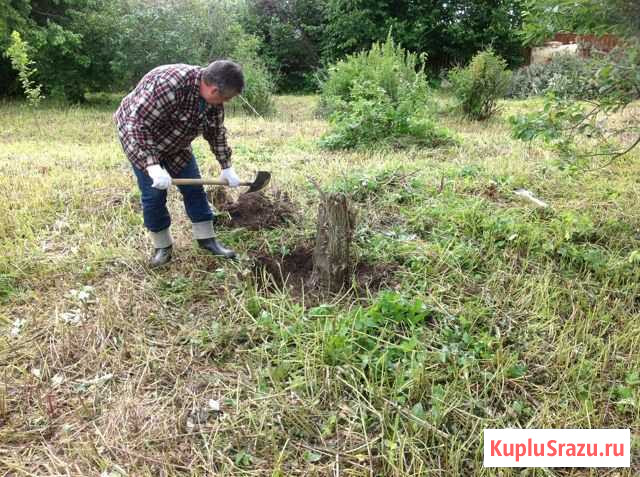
(204, 182)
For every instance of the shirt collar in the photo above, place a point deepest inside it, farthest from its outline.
(198, 77)
(202, 104)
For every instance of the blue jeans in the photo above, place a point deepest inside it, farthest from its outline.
(154, 201)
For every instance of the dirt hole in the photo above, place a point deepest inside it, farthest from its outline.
(293, 271)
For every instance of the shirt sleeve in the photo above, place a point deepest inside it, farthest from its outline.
(151, 103)
(216, 135)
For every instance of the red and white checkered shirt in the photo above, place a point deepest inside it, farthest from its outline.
(160, 118)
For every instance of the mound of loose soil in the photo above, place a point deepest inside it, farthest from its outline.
(294, 272)
(257, 210)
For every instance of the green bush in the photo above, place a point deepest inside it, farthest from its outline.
(481, 84)
(567, 76)
(379, 96)
(259, 85)
(387, 66)
(370, 116)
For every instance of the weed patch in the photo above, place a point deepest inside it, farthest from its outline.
(390, 185)
(8, 287)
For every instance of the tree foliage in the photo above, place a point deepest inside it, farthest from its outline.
(292, 34)
(93, 45)
(562, 122)
(448, 32)
(544, 18)
(149, 34)
(299, 36)
(84, 45)
(70, 42)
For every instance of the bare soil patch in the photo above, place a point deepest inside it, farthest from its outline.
(294, 271)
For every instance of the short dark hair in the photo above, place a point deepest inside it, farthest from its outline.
(226, 75)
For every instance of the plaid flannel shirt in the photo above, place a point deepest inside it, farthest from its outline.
(160, 118)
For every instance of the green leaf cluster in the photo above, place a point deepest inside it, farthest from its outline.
(563, 123)
(542, 19)
(19, 56)
(81, 46)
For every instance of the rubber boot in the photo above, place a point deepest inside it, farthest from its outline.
(163, 248)
(161, 256)
(216, 248)
(203, 233)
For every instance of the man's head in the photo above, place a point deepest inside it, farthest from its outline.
(221, 81)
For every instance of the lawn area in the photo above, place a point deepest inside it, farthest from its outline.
(477, 310)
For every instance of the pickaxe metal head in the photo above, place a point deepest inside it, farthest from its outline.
(260, 182)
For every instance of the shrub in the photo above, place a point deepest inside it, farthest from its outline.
(567, 76)
(379, 96)
(258, 92)
(481, 84)
(370, 116)
(385, 65)
(19, 56)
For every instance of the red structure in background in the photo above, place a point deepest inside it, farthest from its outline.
(588, 43)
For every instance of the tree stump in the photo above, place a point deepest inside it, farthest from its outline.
(332, 263)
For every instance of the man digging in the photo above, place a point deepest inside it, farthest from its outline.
(157, 122)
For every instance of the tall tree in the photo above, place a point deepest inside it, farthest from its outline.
(69, 40)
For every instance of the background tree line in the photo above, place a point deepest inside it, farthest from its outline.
(98, 45)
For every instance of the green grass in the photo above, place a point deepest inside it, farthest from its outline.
(497, 314)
